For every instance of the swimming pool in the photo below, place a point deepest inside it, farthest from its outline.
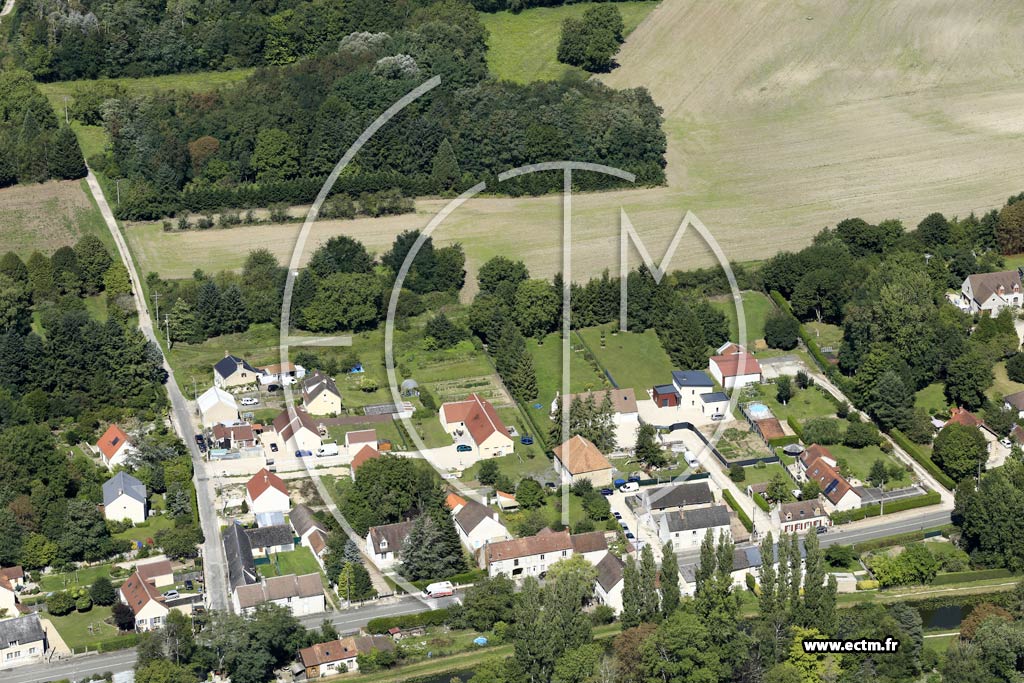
(758, 411)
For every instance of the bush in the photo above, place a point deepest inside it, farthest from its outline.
(1015, 367)
(83, 603)
(861, 435)
(736, 473)
(822, 430)
(60, 603)
(867, 585)
(434, 617)
(602, 614)
(743, 517)
(930, 498)
(781, 330)
(751, 582)
(761, 502)
(921, 459)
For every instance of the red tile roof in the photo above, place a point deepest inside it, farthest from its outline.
(833, 484)
(138, 592)
(964, 417)
(479, 416)
(112, 439)
(579, 456)
(365, 453)
(263, 480)
(735, 364)
(544, 542)
(454, 500)
(361, 436)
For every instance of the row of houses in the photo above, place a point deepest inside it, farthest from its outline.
(231, 372)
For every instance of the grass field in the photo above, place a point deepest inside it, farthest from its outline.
(635, 361)
(759, 475)
(805, 404)
(860, 460)
(299, 561)
(74, 579)
(516, 467)
(81, 630)
(826, 335)
(522, 47)
(932, 398)
(194, 82)
(547, 362)
(1003, 385)
(756, 307)
(47, 216)
(147, 530)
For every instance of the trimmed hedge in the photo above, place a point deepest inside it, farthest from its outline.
(900, 539)
(921, 459)
(867, 585)
(780, 301)
(121, 643)
(795, 426)
(761, 502)
(980, 575)
(744, 518)
(930, 498)
(434, 617)
(781, 441)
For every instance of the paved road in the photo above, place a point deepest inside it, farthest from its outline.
(214, 562)
(84, 666)
(7, 9)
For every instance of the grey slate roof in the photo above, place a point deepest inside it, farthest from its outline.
(691, 378)
(267, 536)
(742, 558)
(699, 518)
(680, 495)
(238, 550)
(302, 519)
(227, 365)
(609, 571)
(125, 483)
(25, 629)
(394, 534)
(714, 397)
(471, 514)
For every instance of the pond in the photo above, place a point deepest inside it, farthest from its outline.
(944, 618)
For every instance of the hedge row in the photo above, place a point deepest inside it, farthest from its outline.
(761, 502)
(780, 301)
(867, 585)
(922, 459)
(980, 575)
(781, 441)
(930, 498)
(795, 426)
(744, 519)
(434, 617)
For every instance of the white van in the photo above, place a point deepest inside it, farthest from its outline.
(630, 487)
(439, 590)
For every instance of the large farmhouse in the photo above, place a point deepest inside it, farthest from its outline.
(475, 422)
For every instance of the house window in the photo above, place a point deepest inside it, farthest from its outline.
(515, 563)
(32, 650)
(563, 553)
(542, 556)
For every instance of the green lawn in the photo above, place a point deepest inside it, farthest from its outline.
(74, 579)
(805, 404)
(634, 360)
(940, 643)
(515, 467)
(386, 431)
(547, 361)
(932, 398)
(522, 46)
(299, 561)
(859, 461)
(97, 306)
(81, 630)
(147, 530)
(825, 334)
(193, 82)
(760, 475)
(1003, 385)
(756, 307)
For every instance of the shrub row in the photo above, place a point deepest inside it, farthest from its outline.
(922, 459)
(795, 426)
(980, 575)
(434, 617)
(900, 539)
(761, 502)
(780, 441)
(930, 498)
(122, 642)
(744, 518)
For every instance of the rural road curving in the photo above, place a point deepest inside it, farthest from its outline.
(214, 562)
(7, 9)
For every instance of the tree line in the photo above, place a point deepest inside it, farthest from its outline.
(33, 146)
(228, 148)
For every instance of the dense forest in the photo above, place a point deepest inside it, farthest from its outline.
(275, 137)
(33, 147)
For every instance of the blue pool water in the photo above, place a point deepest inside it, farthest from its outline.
(758, 411)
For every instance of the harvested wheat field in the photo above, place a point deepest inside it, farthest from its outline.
(46, 216)
(782, 119)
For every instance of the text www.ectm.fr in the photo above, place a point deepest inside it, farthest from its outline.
(844, 646)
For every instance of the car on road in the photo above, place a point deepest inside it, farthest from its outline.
(630, 536)
(464, 448)
(821, 529)
(625, 527)
(607, 491)
(439, 589)
(303, 454)
(616, 514)
(630, 487)
(170, 595)
(273, 448)
(250, 401)
(201, 442)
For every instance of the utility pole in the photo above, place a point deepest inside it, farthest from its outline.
(117, 185)
(167, 328)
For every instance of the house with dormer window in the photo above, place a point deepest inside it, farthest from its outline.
(384, 543)
(991, 292)
(802, 516)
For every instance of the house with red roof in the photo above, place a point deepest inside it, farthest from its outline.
(354, 441)
(145, 601)
(114, 447)
(266, 492)
(578, 459)
(475, 422)
(365, 453)
(732, 366)
(817, 464)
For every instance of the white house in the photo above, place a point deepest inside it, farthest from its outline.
(662, 499)
(124, 497)
(384, 543)
(301, 595)
(216, 406)
(266, 492)
(158, 572)
(992, 292)
(691, 385)
(578, 458)
(533, 555)
(355, 441)
(145, 601)
(687, 528)
(714, 403)
(320, 395)
(801, 516)
(340, 656)
(609, 583)
(476, 523)
(1015, 402)
(817, 464)
(8, 599)
(281, 373)
(733, 367)
(114, 447)
(232, 371)
(297, 430)
(304, 522)
(22, 641)
(475, 422)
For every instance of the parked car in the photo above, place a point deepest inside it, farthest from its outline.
(200, 441)
(440, 589)
(188, 584)
(630, 487)
(607, 491)
(718, 416)
(303, 454)
(250, 401)
(821, 529)
(616, 514)
(630, 536)
(551, 484)
(1005, 443)
(171, 594)
(273, 448)
(634, 477)
(273, 387)
(464, 448)
(625, 527)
